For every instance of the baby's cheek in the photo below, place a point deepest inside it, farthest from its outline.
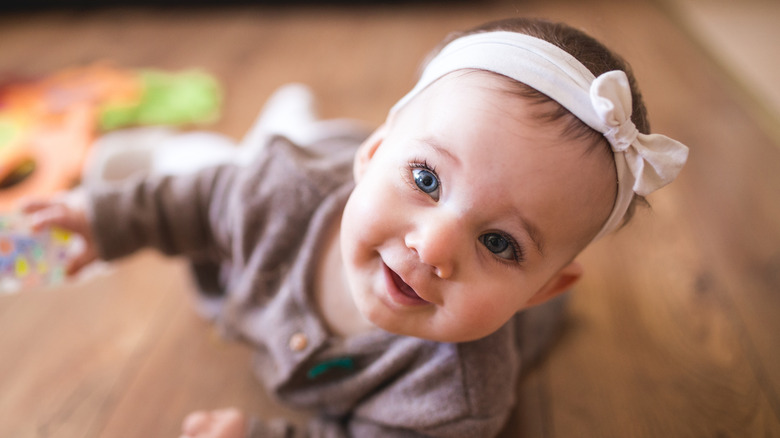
(485, 316)
(369, 208)
(485, 313)
(358, 226)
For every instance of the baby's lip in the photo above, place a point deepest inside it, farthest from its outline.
(401, 291)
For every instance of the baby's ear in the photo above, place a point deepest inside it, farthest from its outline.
(558, 284)
(367, 150)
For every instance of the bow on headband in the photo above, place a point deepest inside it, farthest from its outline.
(644, 163)
(654, 160)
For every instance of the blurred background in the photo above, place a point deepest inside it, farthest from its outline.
(672, 332)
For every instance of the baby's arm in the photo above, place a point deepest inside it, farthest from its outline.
(177, 215)
(65, 211)
(174, 214)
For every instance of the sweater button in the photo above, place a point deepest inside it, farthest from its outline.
(298, 342)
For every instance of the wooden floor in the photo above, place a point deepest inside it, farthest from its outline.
(674, 332)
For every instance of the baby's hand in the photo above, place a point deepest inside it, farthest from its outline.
(66, 212)
(223, 423)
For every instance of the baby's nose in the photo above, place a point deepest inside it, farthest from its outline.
(436, 245)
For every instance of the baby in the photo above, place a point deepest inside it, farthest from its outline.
(383, 281)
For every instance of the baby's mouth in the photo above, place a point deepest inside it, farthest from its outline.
(404, 289)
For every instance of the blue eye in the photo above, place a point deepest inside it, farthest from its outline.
(500, 245)
(426, 181)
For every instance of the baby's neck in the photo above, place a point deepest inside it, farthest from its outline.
(331, 291)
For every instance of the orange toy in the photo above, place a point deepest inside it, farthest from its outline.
(47, 126)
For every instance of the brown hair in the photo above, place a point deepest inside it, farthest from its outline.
(592, 54)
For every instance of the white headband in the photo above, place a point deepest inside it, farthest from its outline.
(644, 163)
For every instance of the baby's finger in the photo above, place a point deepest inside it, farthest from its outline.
(28, 206)
(51, 216)
(195, 423)
(79, 262)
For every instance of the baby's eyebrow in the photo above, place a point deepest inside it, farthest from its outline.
(438, 149)
(533, 232)
(536, 238)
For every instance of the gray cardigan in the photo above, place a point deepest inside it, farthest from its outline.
(259, 226)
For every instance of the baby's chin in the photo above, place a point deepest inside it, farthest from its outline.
(429, 333)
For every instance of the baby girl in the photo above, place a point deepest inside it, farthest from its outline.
(382, 282)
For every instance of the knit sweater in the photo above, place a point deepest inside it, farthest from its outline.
(260, 227)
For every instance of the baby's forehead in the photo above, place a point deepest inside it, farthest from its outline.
(500, 91)
(522, 105)
(454, 81)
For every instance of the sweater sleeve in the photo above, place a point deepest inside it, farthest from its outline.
(178, 215)
(219, 212)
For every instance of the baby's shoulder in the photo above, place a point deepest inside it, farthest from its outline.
(283, 168)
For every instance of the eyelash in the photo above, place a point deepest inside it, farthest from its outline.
(518, 255)
(423, 164)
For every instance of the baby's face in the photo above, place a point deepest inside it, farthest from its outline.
(467, 209)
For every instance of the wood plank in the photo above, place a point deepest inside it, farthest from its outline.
(66, 350)
(741, 37)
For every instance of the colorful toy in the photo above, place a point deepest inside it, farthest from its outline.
(31, 259)
(48, 125)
